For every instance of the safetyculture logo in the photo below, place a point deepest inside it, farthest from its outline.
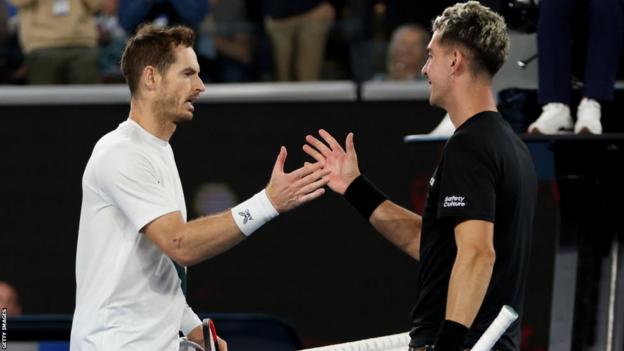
(454, 201)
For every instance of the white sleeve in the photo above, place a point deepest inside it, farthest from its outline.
(190, 320)
(130, 182)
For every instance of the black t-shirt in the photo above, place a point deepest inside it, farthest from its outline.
(486, 173)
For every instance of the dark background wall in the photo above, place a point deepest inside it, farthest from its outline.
(321, 267)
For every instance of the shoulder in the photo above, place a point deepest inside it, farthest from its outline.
(481, 133)
(120, 151)
(467, 141)
(471, 147)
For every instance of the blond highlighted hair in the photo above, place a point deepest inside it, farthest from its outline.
(479, 30)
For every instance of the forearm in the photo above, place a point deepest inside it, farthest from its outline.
(398, 225)
(204, 238)
(468, 284)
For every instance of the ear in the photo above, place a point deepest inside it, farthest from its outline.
(456, 60)
(150, 78)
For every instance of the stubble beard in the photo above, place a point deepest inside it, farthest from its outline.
(167, 109)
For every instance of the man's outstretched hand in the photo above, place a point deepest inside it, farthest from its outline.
(290, 190)
(342, 165)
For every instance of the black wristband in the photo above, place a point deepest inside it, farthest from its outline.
(450, 336)
(364, 196)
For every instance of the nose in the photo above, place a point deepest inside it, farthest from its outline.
(423, 70)
(200, 87)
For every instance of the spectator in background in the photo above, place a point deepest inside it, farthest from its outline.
(298, 32)
(406, 56)
(133, 13)
(554, 40)
(225, 40)
(59, 39)
(111, 39)
(407, 53)
(9, 299)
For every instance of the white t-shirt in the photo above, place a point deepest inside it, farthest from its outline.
(128, 294)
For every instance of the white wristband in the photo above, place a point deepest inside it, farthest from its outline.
(253, 213)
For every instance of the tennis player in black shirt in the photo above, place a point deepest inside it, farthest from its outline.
(474, 237)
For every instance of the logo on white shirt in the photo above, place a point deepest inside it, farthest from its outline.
(454, 201)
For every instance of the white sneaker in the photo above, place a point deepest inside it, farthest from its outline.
(588, 117)
(555, 117)
(444, 128)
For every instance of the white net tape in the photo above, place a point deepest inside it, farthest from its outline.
(396, 342)
(400, 342)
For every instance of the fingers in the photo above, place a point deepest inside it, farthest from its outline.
(306, 170)
(313, 153)
(330, 140)
(319, 145)
(311, 196)
(312, 177)
(222, 344)
(281, 159)
(349, 143)
(313, 186)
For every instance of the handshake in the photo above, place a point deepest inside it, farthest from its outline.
(334, 166)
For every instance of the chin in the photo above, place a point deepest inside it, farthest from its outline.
(183, 118)
(432, 101)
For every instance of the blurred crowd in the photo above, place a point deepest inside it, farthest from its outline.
(81, 41)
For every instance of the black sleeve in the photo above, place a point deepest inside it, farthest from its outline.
(468, 181)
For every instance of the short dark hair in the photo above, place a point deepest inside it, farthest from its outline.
(478, 29)
(152, 46)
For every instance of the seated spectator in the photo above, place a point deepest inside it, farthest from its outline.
(405, 58)
(554, 39)
(9, 299)
(59, 39)
(298, 32)
(407, 53)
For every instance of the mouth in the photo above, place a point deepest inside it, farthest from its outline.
(189, 103)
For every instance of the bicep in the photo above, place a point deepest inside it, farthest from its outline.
(475, 235)
(164, 231)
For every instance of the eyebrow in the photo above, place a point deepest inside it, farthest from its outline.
(190, 70)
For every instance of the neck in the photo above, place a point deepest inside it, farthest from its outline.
(471, 97)
(143, 113)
